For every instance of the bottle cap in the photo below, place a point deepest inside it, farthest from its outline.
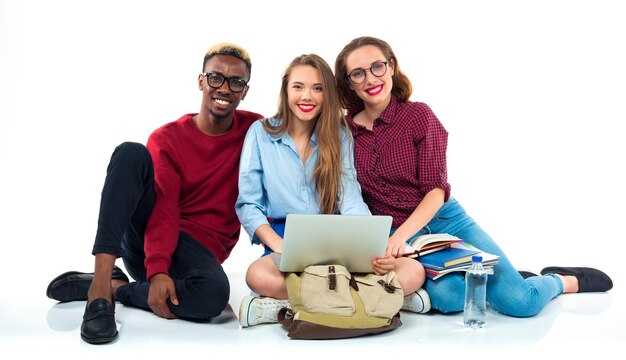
(477, 258)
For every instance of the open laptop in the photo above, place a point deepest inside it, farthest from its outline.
(349, 240)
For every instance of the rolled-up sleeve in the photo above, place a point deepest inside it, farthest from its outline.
(251, 202)
(352, 200)
(432, 146)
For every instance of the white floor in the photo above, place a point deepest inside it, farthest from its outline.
(577, 324)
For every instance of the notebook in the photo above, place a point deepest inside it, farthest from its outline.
(349, 240)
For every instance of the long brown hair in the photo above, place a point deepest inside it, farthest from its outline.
(401, 89)
(329, 166)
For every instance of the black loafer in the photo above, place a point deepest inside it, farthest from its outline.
(589, 279)
(526, 274)
(99, 322)
(73, 285)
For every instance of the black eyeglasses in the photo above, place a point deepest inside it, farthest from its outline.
(216, 80)
(377, 69)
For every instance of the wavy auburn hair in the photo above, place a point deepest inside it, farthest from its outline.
(328, 168)
(401, 89)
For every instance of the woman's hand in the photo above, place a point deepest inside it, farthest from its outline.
(270, 238)
(384, 265)
(395, 246)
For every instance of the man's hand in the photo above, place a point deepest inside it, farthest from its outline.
(162, 288)
(384, 265)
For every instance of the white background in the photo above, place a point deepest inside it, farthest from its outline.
(532, 94)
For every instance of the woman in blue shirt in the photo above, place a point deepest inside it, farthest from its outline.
(299, 162)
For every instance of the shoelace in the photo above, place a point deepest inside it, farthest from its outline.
(267, 310)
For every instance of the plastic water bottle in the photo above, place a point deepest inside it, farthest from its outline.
(475, 309)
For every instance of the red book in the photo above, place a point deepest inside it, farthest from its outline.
(428, 244)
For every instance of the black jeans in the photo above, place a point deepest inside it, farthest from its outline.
(127, 200)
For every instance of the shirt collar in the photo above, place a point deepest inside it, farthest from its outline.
(390, 112)
(387, 115)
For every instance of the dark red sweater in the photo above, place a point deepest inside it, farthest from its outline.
(196, 188)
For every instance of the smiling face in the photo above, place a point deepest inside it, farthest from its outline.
(305, 93)
(373, 90)
(220, 104)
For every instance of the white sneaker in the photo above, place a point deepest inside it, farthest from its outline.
(256, 310)
(418, 302)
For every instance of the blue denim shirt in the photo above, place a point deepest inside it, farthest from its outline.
(273, 181)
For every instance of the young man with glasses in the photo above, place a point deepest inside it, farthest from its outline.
(168, 209)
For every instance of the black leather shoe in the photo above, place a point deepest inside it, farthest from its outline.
(526, 274)
(73, 285)
(589, 280)
(99, 322)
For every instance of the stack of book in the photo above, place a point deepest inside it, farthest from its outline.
(441, 254)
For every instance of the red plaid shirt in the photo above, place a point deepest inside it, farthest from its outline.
(401, 159)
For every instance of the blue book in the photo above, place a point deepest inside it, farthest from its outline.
(445, 258)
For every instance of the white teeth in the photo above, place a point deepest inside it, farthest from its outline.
(306, 107)
(222, 102)
(375, 89)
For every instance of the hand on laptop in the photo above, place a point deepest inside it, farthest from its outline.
(270, 238)
(395, 247)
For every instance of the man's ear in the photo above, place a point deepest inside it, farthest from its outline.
(200, 77)
(244, 92)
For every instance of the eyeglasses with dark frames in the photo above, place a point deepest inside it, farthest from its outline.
(216, 80)
(377, 69)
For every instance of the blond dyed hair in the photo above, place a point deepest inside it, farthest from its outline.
(230, 50)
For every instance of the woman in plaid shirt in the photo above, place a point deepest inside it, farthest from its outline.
(400, 159)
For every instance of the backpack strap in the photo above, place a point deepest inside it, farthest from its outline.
(332, 278)
(285, 316)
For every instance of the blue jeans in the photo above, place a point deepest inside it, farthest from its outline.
(507, 292)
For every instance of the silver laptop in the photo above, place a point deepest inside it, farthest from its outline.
(349, 240)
